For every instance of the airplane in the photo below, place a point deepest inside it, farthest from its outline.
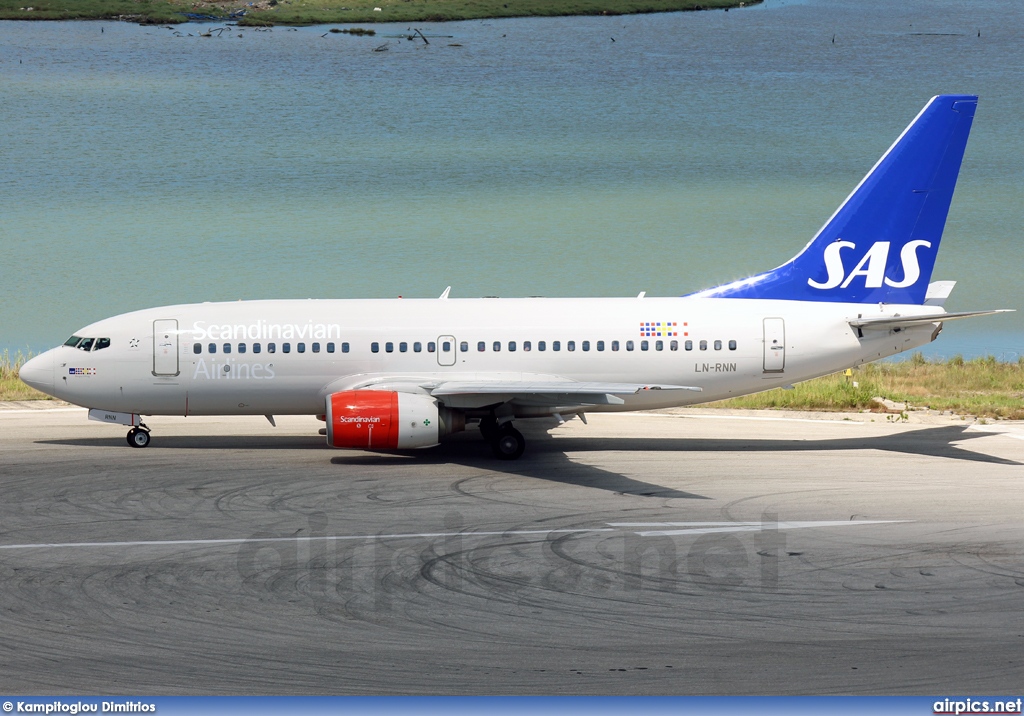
(397, 374)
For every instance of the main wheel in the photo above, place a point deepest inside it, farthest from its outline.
(509, 444)
(138, 438)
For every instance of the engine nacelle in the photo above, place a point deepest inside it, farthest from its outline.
(387, 420)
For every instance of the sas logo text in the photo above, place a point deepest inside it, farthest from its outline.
(871, 266)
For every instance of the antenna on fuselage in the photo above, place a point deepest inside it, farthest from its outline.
(446, 292)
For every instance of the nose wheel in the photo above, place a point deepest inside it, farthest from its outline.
(138, 437)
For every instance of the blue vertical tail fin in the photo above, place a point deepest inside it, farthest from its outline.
(880, 245)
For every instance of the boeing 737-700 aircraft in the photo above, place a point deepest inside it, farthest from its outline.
(401, 373)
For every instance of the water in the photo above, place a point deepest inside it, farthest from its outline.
(140, 168)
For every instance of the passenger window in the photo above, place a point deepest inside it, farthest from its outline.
(497, 346)
(673, 346)
(527, 345)
(732, 345)
(431, 347)
(286, 347)
(330, 348)
(197, 348)
(542, 345)
(227, 347)
(556, 345)
(688, 345)
(375, 347)
(446, 346)
(600, 345)
(570, 345)
(86, 344)
(417, 347)
(256, 347)
(644, 345)
(481, 346)
(464, 346)
(718, 345)
(241, 348)
(586, 345)
(512, 346)
(271, 348)
(300, 347)
(101, 343)
(659, 345)
(403, 347)
(629, 345)
(703, 345)
(389, 347)
(344, 348)
(316, 347)
(615, 345)
(212, 347)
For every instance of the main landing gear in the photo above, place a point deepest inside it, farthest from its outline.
(507, 443)
(138, 437)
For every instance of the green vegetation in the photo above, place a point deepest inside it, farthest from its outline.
(982, 387)
(314, 12)
(10, 387)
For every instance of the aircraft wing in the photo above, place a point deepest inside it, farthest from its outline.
(891, 322)
(481, 393)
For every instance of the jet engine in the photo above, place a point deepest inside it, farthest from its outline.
(388, 420)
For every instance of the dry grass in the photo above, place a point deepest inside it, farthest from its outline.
(11, 388)
(982, 387)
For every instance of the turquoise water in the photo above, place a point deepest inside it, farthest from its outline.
(142, 166)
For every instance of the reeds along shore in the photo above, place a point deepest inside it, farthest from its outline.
(318, 12)
(983, 387)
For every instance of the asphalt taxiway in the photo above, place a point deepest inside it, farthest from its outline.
(639, 554)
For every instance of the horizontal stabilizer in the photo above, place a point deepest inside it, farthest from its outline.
(890, 322)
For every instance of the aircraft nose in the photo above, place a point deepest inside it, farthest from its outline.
(38, 372)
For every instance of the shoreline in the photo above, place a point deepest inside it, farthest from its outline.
(267, 13)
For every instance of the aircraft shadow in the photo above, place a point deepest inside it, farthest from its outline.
(546, 457)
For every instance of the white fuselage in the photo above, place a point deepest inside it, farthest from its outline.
(202, 359)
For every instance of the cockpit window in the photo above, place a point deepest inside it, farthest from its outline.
(86, 344)
(73, 341)
(101, 343)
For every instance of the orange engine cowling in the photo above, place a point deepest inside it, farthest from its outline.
(387, 420)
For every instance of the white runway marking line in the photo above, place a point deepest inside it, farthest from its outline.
(324, 538)
(694, 528)
(703, 528)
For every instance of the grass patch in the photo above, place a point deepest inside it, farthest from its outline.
(982, 386)
(316, 12)
(11, 388)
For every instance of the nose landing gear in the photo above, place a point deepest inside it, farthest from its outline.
(138, 437)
